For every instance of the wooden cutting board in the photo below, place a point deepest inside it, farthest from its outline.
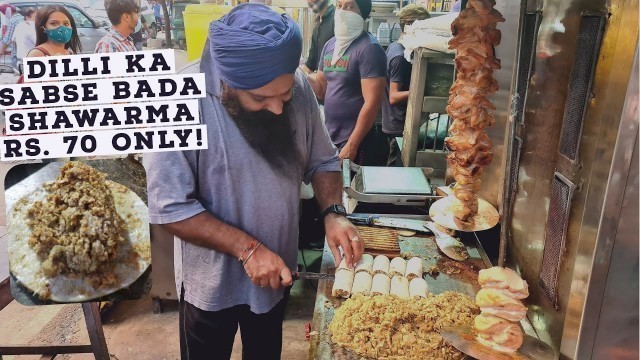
(380, 241)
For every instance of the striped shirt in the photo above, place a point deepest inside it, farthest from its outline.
(11, 28)
(114, 42)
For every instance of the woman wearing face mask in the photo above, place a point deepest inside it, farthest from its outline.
(56, 32)
(25, 35)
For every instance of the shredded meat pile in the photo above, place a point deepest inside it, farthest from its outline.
(76, 229)
(387, 327)
(475, 36)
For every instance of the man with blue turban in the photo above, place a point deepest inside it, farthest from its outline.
(235, 205)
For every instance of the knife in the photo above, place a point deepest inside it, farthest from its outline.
(312, 276)
(464, 339)
(397, 223)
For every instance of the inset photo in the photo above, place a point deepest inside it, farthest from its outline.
(78, 231)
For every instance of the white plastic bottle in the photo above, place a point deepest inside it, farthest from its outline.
(396, 31)
(384, 33)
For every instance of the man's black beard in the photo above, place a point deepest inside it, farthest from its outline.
(270, 135)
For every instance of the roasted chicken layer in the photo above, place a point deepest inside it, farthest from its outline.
(475, 36)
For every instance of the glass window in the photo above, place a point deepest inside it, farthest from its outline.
(82, 21)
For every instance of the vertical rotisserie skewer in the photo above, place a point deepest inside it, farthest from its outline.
(475, 36)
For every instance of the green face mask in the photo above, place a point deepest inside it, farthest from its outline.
(62, 34)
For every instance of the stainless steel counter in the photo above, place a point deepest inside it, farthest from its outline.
(453, 276)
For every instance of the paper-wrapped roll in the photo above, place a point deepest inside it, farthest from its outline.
(380, 285)
(414, 268)
(381, 265)
(365, 264)
(342, 284)
(400, 287)
(343, 266)
(397, 267)
(418, 288)
(362, 283)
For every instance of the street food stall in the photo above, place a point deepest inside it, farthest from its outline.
(515, 237)
(563, 182)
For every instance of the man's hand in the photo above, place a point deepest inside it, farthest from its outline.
(266, 268)
(348, 152)
(318, 83)
(341, 232)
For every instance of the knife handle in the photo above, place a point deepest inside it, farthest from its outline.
(295, 275)
(360, 220)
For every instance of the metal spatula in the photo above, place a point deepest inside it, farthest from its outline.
(463, 338)
(449, 245)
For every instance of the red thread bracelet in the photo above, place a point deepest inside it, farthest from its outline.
(252, 245)
(250, 254)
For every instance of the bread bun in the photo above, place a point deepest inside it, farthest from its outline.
(505, 280)
(495, 302)
(498, 333)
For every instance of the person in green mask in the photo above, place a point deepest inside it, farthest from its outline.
(56, 32)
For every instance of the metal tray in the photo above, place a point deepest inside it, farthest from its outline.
(394, 180)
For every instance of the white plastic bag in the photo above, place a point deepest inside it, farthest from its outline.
(433, 34)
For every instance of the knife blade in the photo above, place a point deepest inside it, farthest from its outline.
(464, 339)
(312, 276)
(396, 223)
(410, 224)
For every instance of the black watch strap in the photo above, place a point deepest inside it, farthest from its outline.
(335, 209)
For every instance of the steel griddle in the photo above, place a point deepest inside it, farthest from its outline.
(463, 278)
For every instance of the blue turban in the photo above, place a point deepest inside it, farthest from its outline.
(252, 45)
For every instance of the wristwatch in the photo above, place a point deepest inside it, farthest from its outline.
(335, 209)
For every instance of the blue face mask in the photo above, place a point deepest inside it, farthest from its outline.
(138, 26)
(61, 34)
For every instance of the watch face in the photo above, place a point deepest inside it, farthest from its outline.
(336, 209)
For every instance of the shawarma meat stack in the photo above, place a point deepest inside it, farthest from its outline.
(475, 36)
(500, 301)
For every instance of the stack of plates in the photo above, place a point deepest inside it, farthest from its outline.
(379, 7)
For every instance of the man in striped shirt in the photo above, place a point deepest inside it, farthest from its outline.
(7, 40)
(123, 15)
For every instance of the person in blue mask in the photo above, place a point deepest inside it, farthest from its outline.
(138, 32)
(124, 16)
(56, 32)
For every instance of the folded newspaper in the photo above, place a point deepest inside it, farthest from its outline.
(433, 34)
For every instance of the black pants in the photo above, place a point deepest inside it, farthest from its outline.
(209, 335)
(394, 151)
(374, 150)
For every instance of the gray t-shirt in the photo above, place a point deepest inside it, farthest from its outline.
(236, 185)
(364, 59)
(398, 71)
